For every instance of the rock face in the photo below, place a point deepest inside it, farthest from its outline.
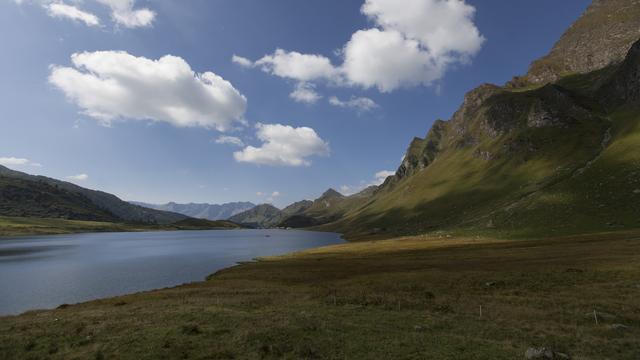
(601, 37)
(624, 86)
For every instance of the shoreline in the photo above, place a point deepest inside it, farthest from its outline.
(12, 227)
(412, 295)
(21, 251)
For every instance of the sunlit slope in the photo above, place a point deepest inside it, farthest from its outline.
(557, 159)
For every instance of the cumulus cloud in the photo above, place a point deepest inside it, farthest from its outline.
(61, 10)
(112, 85)
(413, 43)
(381, 176)
(242, 61)
(274, 196)
(230, 140)
(79, 177)
(297, 66)
(283, 145)
(123, 12)
(360, 104)
(305, 93)
(377, 180)
(443, 27)
(13, 161)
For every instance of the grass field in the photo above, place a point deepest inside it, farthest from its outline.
(18, 226)
(407, 298)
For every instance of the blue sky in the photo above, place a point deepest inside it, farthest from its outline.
(55, 122)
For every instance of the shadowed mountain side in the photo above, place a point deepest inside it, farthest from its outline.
(27, 195)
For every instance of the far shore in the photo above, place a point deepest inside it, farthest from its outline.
(21, 226)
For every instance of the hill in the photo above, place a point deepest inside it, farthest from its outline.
(536, 159)
(261, 216)
(202, 211)
(24, 195)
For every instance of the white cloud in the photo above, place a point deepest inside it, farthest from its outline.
(242, 61)
(283, 146)
(123, 13)
(443, 27)
(381, 176)
(387, 60)
(230, 140)
(8, 161)
(413, 43)
(13, 161)
(305, 93)
(361, 104)
(112, 85)
(79, 177)
(378, 179)
(297, 66)
(61, 10)
(274, 196)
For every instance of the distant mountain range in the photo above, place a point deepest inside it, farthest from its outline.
(203, 211)
(329, 207)
(25, 195)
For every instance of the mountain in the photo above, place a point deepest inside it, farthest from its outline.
(600, 38)
(261, 216)
(329, 207)
(27, 195)
(203, 211)
(552, 152)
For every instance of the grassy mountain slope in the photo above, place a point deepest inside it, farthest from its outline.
(261, 216)
(557, 159)
(27, 195)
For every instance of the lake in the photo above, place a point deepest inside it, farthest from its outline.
(43, 272)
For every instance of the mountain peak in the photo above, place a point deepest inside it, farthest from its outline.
(331, 193)
(602, 36)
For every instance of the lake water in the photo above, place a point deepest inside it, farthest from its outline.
(46, 271)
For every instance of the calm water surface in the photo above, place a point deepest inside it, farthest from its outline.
(47, 271)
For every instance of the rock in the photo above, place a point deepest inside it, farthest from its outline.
(538, 353)
(620, 327)
(494, 284)
(636, 191)
(544, 353)
(601, 315)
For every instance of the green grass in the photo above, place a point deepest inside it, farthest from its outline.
(17, 226)
(408, 298)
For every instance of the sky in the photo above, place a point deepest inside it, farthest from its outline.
(247, 100)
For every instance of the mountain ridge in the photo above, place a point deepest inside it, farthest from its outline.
(202, 210)
(519, 159)
(27, 195)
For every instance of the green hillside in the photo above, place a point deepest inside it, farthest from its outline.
(559, 158)
(25, 195)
